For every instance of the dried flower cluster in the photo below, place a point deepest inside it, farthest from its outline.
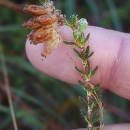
(45, 25)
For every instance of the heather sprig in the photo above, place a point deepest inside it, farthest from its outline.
(93, 113)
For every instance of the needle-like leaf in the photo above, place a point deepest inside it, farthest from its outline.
(95, 70)
(78, 53)
(86, 39)
(68, 43)
(80, 71)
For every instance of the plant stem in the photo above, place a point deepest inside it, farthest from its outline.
(90, 110)
(89, 95)
(94, 111)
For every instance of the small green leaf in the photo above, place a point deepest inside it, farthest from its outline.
(89, 75)
(68, 23)
(97, 87)
(87, 119)
(88, 64)
(68, 43)
(95, 70)
(87, 52)
(86, 39)
(84, 87)
(80, 71)
(90, 55)
(92, 105)
(74, 19)
(82, 38)
(78, 53)
(76, 34)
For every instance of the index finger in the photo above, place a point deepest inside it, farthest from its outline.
(111, 54)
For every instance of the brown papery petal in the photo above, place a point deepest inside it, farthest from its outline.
(31, 24)
(38, 10)
(46, 19)
(40, 35)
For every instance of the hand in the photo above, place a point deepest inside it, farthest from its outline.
(114, 127)
(112, 54)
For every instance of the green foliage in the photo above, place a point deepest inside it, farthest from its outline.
(68, 23)
(68, 43)
(86, 39)
(74, 20)
(88, 54)
(82, 85)
(78, 53)
(93, 114)
(95, 70)
(80, 71)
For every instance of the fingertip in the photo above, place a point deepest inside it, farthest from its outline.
(66, 33)
(59, 64)
(33, 53)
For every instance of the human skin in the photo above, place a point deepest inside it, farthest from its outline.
(114, 127)
(111, 54)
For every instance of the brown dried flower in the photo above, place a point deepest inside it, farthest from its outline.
(45, 25)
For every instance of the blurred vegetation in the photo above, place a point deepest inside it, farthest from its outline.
(41, 102)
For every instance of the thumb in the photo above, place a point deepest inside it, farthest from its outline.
(111, 54)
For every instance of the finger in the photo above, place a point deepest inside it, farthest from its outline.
(111, 54)
(114, 127)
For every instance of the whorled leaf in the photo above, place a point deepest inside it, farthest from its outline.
(90, 55)
(82, 39)
(97, 87)
(69, 43)
(74, 19)
(68, 23)
(94, 71)
(86, 39)
(80, 71)
(78, 53)
(87, 52)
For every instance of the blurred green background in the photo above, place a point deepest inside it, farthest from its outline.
(41, 102)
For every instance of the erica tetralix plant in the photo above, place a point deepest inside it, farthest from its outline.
(94, 112)
(45, 26)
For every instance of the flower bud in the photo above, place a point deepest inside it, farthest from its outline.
(82, 24)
